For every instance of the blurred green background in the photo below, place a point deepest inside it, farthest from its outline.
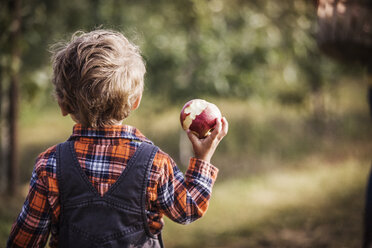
(294, 164)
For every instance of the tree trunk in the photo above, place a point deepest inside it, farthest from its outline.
(14, 10)
(2, 186)
(369, 83)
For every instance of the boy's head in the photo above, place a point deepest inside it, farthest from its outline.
(98, 77)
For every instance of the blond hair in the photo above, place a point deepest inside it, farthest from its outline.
(98, 76)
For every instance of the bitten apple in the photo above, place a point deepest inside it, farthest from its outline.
(199, 116)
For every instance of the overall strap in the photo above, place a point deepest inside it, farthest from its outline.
(131, 186)
(72, 181)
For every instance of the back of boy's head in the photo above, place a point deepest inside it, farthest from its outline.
(98, 76)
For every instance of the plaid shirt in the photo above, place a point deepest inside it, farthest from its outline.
(103, 154)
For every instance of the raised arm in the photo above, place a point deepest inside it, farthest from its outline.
(184, 199)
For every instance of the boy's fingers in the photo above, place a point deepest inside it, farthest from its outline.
(225, 125)
(219, 131)
(225, 128)
(192, 137)
(216, 130)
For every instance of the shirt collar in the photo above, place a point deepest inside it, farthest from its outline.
(109, 132)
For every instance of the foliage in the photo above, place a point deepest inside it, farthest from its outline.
(192, 48)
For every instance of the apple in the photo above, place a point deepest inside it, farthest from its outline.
(200, 117)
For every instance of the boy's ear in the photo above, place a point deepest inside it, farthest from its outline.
(63, 110)
(137, 102)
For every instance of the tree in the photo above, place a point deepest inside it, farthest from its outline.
(11, 114)
(10, 65)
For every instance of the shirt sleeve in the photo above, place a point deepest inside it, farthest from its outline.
(31, 229)
(184, 198)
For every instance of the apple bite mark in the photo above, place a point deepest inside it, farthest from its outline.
(199, 116)
(195, 108)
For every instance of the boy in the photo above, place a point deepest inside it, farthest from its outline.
(108, 185)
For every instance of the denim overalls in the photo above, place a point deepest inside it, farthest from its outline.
(116, 219)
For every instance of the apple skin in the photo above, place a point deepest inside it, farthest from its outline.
(199, 116)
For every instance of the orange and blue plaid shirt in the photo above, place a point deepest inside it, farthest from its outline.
(103, 154)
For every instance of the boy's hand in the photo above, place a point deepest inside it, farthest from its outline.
(204, 148)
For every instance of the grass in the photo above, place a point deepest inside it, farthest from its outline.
(286, 179)
(317, 205)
